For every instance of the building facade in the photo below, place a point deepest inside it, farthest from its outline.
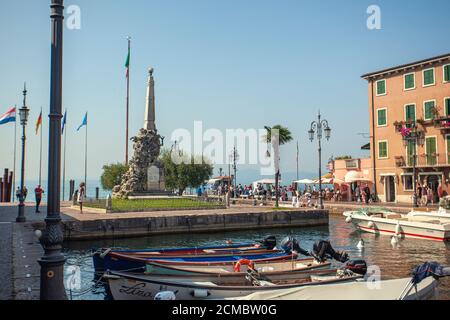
(414, 97)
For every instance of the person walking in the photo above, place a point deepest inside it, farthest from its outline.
(367, 194)
(38, 191)
(358, 193)
(81, 195)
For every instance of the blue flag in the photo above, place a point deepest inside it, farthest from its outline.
(64, 121)
(84, 122)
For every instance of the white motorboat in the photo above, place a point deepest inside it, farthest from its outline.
(383, 290)
(384, 221)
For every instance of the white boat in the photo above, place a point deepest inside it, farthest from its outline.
(127, 286)
(383, 221)
(384, 290)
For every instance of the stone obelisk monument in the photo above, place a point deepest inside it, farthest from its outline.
(145, 176)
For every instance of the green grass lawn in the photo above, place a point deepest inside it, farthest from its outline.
(123, 205)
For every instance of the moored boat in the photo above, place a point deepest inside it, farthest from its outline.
(127, 286)
(383, 221)
(263, 267)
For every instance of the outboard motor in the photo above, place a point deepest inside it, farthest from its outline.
(290, 244)
(356, 266)
(269, 242)
(322, 250)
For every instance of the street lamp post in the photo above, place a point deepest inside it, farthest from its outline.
(23, 114)
(52, 263)
(417, 138)
(316, 128)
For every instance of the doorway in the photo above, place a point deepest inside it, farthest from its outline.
(390, 189)
(433, 183)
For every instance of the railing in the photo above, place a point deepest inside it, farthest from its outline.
(423, 160)
(442, 123)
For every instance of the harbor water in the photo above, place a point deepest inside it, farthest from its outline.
(393, 262)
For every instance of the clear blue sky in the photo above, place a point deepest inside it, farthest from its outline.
(231, 64)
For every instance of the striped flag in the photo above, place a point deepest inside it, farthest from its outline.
(9, 116)
(39, 122)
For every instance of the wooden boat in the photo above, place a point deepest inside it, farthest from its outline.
(127, 286)
(274, 268)
(123, 262)
(259, 247)
(385, 290)
(384, 221)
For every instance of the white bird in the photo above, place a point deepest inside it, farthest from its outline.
(360, 244)
(394, 240)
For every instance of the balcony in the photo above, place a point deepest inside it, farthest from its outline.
(443, 124)
(424, 160)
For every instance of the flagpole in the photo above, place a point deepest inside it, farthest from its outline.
(85, 158)
(40, 154)
(128, 102)
(64, 159)
(14, 165)
(297, 161)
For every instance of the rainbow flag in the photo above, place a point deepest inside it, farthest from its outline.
(39, 122)
(9, 116)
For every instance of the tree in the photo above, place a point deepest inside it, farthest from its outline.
(112, 175)
(284, 136)
(186, 172)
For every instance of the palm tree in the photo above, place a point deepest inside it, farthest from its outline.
(284, 136)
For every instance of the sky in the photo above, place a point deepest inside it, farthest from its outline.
(231, 64)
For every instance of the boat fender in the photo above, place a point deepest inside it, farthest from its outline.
(200, 293)
(398, 229)
(371, 224)
(394, 240)
(348, 219)
(246, 262)
(165, 295)
(104, 253)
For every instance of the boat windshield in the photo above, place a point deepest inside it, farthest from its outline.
(370, 211)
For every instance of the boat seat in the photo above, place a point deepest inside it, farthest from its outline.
(395, 216)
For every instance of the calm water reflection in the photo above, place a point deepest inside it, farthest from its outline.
(394, 262)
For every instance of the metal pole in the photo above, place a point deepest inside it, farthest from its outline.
(64, 162)
(128, 103)
(14, 164)
(40, 155)
(85, 158)
(52, 263)
(320, 173)
(297, 161)
(21, 214)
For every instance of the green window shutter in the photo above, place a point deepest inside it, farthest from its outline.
(382, 149)
(447, 73)
(409, 81)
(448, 149)
(428, 77)
(382, 117)
(410, 152)
(410, 113)
(429, 110)
(431, 150)
(381, 87)
(447, 107)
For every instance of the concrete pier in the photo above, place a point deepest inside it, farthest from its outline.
(97, 225)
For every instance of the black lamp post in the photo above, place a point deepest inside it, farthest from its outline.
(52, 263)
(23, 114)
(316, 128)
(416, 138)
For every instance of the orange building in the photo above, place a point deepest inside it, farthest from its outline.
(400, 97)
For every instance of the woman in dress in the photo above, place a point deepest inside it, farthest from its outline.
(81, 195)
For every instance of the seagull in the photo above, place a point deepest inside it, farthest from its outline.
(394, 240)
(360, 244)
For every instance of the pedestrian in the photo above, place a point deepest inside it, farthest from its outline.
(424, 195)
(18, 193)
(358, 193)
(81, 195)
(430, 195)
(367, 194)
(38, 191)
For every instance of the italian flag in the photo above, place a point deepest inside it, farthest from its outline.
(127, 64)
(38, 122)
